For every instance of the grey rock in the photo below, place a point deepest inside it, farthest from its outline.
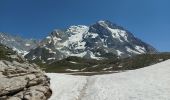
(22, 81)
(14, 98)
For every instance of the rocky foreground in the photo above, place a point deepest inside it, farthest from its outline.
(22, 81)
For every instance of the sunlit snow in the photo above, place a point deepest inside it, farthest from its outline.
(149, 83)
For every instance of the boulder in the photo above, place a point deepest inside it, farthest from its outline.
(23, 81)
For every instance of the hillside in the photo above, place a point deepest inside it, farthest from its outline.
(77, 64)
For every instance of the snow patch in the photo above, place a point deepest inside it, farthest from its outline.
(119, 52)
(132, 51)
(73, 62)
(94, 57)
(119, 34)
(149, 83)
(27, 44)
(107, 68)
(73, 70)
(55, 39)
(94, 35)
(79, 55)
(22, 52)
(140, 49)
(51, 58)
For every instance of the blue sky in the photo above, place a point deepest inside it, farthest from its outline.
(147, 19)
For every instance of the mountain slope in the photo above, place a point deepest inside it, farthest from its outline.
(100, 40)
(18, 44)
(92, 66)
(149, 83)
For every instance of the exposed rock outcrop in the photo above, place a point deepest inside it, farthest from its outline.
(20, 80)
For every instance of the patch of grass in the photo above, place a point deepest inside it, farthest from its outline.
(144, 60)
(115, 64)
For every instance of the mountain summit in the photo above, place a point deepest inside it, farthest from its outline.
(100, 40)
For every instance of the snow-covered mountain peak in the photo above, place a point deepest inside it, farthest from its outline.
(106, 30)
(108, 24)
(100, 40)
(55, 32)
(102, 23)
(73, 33)
(76, 29)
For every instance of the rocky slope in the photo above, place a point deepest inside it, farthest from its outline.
(100, 40)
(21, 45)
(20, 80)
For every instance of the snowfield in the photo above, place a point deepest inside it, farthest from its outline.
(149, 83)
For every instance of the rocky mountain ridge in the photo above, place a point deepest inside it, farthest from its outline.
(98, 41)
(17, 43)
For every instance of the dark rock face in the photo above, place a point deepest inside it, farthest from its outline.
(118, 38)
(95, 41)
(20, 80)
